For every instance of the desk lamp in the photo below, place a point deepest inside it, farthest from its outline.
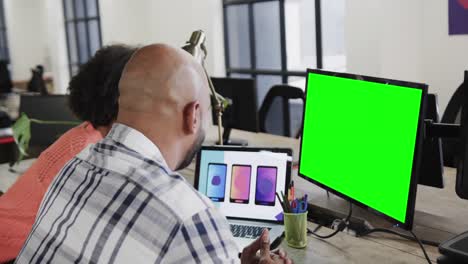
(196, 46)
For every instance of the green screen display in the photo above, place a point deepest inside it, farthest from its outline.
(359, 139)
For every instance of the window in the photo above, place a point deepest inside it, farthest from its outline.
(274, 41)
(83, 31)
(333, 31)
(4, 52)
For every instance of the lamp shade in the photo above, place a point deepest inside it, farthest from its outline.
(196, 46)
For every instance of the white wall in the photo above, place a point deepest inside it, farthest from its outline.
(171, 22)
(124, 21)
(25, 33)
(406, 40)
(445, 57)
(362, 22)
(36, 35)
(182, 17)
(56, 44)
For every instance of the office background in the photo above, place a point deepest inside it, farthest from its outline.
(271, 41)
(394, 39)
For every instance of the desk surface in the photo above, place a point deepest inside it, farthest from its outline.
(439, 215)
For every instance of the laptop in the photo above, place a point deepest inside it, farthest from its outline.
(242, 182)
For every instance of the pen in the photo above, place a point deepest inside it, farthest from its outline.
(281, 202)
(292, 191)
(286, 203)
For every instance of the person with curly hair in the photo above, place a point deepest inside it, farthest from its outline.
(94, 99)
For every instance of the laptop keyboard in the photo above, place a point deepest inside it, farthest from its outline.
(245, 231)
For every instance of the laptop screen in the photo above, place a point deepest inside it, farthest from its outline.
(242, 182)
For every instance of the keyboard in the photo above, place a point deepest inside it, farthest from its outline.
(245, 231)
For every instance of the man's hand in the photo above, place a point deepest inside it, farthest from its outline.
(249, 254)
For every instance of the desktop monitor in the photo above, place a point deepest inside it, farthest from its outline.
(48, 108)
(242, 113)
(432, 163)
(362, 140)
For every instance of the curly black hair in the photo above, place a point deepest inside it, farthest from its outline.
(94, 92)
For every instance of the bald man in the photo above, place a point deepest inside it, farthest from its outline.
(120, 201)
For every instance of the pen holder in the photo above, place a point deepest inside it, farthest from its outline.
(295, 229)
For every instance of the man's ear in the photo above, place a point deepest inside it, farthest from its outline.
(192, 117)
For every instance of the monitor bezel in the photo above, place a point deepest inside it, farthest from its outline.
(287, 151)
(410, 205)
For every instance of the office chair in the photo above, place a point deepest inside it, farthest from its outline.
(282, 101)
(5, 79)
(242, 113)
(8, 149)
(452, 115)
(37, 84)
(50, 108)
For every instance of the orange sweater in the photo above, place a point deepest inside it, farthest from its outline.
(19, 205)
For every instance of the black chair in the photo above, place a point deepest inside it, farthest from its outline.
(242, 113)
(49, 108)
(452, 116)
(37, 84)
(279, 115)
(5, 79)
(8, 149)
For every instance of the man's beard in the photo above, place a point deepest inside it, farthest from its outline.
(193, 150)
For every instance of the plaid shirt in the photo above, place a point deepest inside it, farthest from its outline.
(118, 202)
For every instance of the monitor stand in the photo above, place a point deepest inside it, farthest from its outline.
(232, 142)
(325, 217)
(324, 212)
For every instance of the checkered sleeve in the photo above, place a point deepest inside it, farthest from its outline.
(203, 238)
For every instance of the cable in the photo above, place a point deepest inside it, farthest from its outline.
(383, 230)
(343, 224)
(316, 228)
(422, 247)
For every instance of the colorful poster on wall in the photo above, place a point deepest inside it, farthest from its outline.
(458, 17)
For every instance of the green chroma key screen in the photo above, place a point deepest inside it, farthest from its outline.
(359, 139)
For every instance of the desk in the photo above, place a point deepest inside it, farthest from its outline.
(8, 177)
(439, 214)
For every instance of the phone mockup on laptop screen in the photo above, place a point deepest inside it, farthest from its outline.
(266, 185)
(240, 183)
(216, 181)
